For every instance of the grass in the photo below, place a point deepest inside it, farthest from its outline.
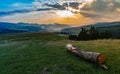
(40, 53)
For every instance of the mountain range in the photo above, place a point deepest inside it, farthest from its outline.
(27, 27)
(113, 27)
(5, 27)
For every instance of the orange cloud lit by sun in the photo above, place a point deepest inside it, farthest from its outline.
(50, 18)
(78, 19)
(118, 9)
(106, 19)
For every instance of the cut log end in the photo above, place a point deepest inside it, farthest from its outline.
(101, 59)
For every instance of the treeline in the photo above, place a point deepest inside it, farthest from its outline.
(91, 34)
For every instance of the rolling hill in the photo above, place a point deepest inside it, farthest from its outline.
(40, 53)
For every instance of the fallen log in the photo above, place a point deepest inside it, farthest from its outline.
(90, 56)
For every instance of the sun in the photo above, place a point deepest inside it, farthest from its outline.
(64, 13)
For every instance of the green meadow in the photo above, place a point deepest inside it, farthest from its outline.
(45, 53)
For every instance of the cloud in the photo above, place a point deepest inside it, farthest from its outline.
(17, 5)
(102, 10)
(98, 8)
(46, 17)
(117, 0)
(103, 6)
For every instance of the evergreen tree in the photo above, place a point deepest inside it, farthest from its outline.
(105, 35)
(83, 34)
(93, 33)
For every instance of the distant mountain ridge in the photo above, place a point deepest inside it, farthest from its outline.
(113, 27)
(27, 27)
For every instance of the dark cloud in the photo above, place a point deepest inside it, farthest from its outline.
(91, 15)
(103, 6)
(102, 9)
(4, 13)
(99, 8)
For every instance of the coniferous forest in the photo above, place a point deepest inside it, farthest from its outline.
(91, 34)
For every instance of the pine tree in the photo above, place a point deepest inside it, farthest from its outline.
(83, 34)
(93, 33)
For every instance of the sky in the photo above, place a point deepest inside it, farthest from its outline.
(12, 4)
(78, 14)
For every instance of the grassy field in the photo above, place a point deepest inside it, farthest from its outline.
(45, 53)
